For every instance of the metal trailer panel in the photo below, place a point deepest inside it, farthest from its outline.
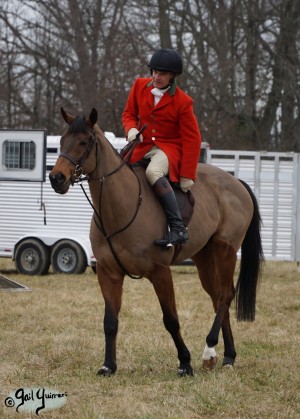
(297, 213)
(274, 178)
(28, 207)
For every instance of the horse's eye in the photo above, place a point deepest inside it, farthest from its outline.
(83, 143)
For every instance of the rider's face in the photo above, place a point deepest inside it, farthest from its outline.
(161, 79)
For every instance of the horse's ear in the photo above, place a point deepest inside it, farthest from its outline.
(67, 116)
(93, 117)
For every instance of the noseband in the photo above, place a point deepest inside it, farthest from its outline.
(78, 163)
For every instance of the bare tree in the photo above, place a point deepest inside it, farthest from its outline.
(282, 99)
(241, 63)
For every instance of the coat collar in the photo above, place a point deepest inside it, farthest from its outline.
(172, 89)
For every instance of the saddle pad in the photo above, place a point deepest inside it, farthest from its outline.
(186, 202)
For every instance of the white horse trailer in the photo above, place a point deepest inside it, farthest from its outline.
(37, 226)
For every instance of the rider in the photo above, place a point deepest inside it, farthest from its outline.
(172, 139)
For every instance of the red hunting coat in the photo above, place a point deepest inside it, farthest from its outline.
(172, 126)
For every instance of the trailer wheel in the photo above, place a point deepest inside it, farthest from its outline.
(32, 258)
(67, 257)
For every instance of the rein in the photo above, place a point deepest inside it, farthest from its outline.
(100, 224)
(78, 174)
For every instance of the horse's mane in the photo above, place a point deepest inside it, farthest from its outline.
(79, 125)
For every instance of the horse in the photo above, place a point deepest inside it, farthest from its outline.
(128, 218)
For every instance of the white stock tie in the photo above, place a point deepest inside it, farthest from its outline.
(158, 94)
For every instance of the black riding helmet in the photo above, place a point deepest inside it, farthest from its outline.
(166, 59)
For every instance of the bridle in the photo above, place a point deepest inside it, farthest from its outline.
(78, 171)
(79, 178)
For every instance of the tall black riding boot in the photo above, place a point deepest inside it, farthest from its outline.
(165, 194)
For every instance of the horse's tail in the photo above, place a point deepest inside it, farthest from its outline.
(250, 265)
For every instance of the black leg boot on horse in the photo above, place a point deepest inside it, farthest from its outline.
(178, 232)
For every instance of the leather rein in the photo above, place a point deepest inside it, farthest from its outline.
(79, 178)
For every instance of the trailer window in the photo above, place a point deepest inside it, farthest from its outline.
(19, 155)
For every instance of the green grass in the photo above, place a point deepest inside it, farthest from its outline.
(52, 337)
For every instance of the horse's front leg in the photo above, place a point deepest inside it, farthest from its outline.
(111, 287)
(162, 282)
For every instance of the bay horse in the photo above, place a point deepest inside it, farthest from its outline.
(128, 218)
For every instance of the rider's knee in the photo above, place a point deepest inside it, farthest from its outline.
(154, 173)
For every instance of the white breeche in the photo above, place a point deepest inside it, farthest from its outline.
(158, 166)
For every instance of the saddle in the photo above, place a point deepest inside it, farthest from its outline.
(185, 201)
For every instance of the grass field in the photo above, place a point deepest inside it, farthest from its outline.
(51, 337)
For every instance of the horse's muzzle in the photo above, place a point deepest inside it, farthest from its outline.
(59, 183)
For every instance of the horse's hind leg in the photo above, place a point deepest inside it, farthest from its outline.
(216, 264)
(111, 287)
(162, 282)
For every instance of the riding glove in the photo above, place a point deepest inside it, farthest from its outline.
(132, 133)
(186, 184)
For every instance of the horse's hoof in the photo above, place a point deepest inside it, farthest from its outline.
(185, 370)
(105, 371)
(228, 362)
(209, 364)
(227, 366)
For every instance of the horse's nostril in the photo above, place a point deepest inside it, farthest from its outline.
(59, 178)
